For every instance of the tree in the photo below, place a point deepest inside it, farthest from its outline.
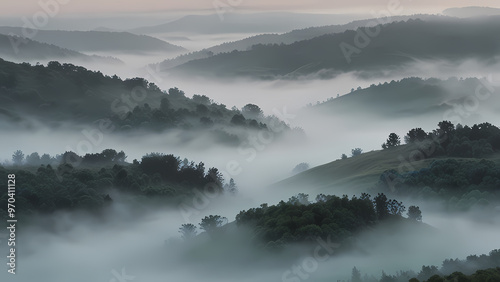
(45, 159)
(238, 119)
(344, 156)
(356, 152)
(300, 168)
(206, 122)
(175, 92)
(201, 99)
(395, 207)
(414, 213)
(299, 199)
(381, 205)
(392, 141)
(251, 111)
(231, 187)
(33, 159)
(415, 135)
(214, 176)
(212, 222)
(356, 275)
(120, 157)
(164, 105)
(446, 127)
(188, 231)
(18, 157)
(109, 155)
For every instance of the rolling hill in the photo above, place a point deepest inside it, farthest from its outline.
(396, 46)
(413, 97)
(466, 12)
(358, 174)
(285, 38)
(97, 41)
(227, 21)
(61, 95)
(23, 50)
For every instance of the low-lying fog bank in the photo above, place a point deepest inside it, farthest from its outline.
(131, 241)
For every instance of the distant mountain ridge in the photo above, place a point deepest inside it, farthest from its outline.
(473, 11)
(397, 45)
(229, 22)
(285, 38)
(22, 50)
(95, 41)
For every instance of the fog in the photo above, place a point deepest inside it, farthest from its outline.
(134, 239)
(328, 133)
(139, 236)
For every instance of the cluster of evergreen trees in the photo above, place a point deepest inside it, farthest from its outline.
(65, 92)
(299, 220)
(461, 184)
(478, 141)
(84, 181)
(474, 268)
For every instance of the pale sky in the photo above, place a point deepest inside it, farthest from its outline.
(13, 8)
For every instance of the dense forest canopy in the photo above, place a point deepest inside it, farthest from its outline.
(68, 181)
(61, 94)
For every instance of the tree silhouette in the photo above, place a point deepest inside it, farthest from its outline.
(238, 119)
(381, 205)
(231, 187)
(392, 141)
(414, 213)
(356, 152)
(212, 222)
(356, 275)
(415, 135)
(188, 231)
(18, 157)
(251, 111)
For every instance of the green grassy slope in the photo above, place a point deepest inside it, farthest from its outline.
(356, 174)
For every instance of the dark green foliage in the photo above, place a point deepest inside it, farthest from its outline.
(211, 223)
(356, 275)
(18, 157)
(251, 111)
(188, 231)
(327, 52)
(392, 141)
(381, 206)
(78, 182)
(356, 152)
(483, 275)
(414, 213)
(238, 119)
(463, 184)
(483, 268)
(300, 220)
(65, 92)
(415, 135)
